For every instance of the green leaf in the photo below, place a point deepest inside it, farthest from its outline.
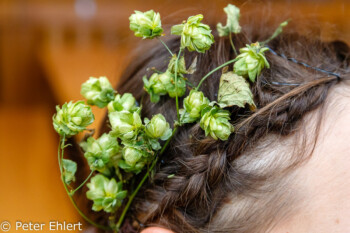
(69, 170)
(177, 29)
(185, 117)
(234, 90)
(232, 23)
(121, 195)
(155, 144)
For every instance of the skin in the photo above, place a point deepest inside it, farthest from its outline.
(324, 180)
(156, 230)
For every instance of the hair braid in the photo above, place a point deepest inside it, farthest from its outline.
(199, 173)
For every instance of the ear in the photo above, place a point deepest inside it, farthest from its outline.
(156, 230)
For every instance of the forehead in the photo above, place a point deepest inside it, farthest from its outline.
(315, 196)
(324, 180)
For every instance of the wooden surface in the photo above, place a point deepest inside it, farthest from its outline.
(30, 182)
(67, 68)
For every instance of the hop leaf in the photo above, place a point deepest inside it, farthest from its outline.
(146, 24)
(102, 153)
(158, 127)
(69, 170)
(72, 118)
(251, 61)
(232, 23)
(215, 122)
(194, 103)
(125, 125)
(195, 36)
(106, 193)
(97, 91)
(234, 90)
(124, 102)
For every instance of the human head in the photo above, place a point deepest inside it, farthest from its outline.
(252, 182)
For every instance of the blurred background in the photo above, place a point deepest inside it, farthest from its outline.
(49, 48)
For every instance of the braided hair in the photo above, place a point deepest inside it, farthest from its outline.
(238, 185)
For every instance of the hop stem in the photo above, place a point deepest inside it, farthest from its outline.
(165, 46)
(62, 140)
(132, 196)
(232, 45)
(278, 31)
(60, 158)
(211, 72)
(82, 184)
(177, 97)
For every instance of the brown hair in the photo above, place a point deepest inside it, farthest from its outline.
(238, 185)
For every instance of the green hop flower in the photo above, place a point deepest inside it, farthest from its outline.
(251, 61)
(102, 153)
(232, 23)
(158, 127)
(215, 121)
(136, 168)
(194, 103)
(146, 24)
(72, 118)
(106, 193)
(181, 66)
(125, 125)
(155, 86)
(162, 84)
(132, 155)
(124, 102)
(134, 158)
(178, 90)
(195, 36)
(97, 91)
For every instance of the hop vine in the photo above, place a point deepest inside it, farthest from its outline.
(134, 145)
